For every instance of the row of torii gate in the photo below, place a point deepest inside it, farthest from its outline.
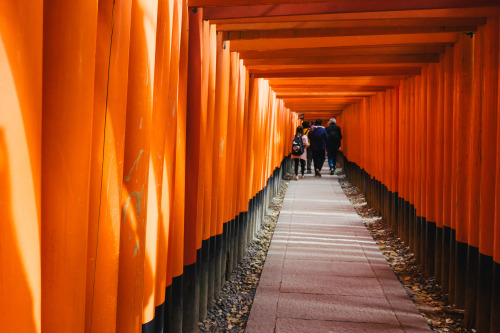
(141, 141)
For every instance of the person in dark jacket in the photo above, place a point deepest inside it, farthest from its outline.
(333, 143)
(317, 140)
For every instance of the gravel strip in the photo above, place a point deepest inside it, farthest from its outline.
(232, 308)
(424, 292)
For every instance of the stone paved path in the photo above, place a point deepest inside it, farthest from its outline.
(325, 273)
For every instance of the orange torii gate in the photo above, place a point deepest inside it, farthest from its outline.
(141, 141)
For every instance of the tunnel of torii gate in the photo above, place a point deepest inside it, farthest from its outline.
(142, 140)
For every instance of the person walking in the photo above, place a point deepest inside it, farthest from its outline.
(318, 138)
(333, 143)
(299, 153)
(306, 124)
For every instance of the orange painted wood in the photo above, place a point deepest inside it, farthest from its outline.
(439, 148)
(180, 149)
(341, 60)
(353, 23)
(400, 49)
(485, 11)
(171, 145)
(463, 104)
(344, 81)
(333, 67)
(193, 133)
(448, 136)
(414, 161)
(203, 220)
(344, 6)
(344, 41)
(222, 147)
(166, 154)
(474, 143)
(326, 91)
(106, 178)
(240, 149)
(336, 32)
(21, 53)
(401, 122)
(336, 72)
(422, 130)
(496, 220)
(431, 165)
(222, 3)
(220, 134)
(489, 141)
(138, 180)
(231, 135)
(67, 103)
(208, 213)
(312, 94)
(395, 138)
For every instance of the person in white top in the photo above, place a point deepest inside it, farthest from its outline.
(299, 152)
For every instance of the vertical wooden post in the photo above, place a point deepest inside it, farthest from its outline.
(66, 146)
(106, 177)
(21, 54)
(193, 129)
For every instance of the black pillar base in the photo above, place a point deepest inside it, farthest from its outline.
(460, 274)
(166, 313)
(445, 259)
(190, 300)
(471, 287)
(430, 247)
(211, 271)
(218, 265)
(176, 305)
(438, 258)
(423, 231)
(495, 299)
(204, 265)
(453, 263)
(484, 294)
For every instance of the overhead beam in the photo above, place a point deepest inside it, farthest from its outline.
(330, 66)
(343, 41)
(336, 72)
(319, 102)
(313, 95)
(306, 95)
(335, 32)
(219, 3)
(329, 89)
(358, 59)
(476, 11)
(342, 81)
(345, 51)
(395, 22)
(340, 6)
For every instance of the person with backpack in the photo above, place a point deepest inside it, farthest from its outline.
(299, 154)
(318, 137)
(333, 143)
(306, 124)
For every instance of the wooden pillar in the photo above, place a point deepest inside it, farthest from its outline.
(66, 146)
(488, 151)
(462, 121)
(138, 178)
(21, 165)
(191, 281)
(106, 177)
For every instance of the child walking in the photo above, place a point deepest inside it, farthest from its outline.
(299, 152)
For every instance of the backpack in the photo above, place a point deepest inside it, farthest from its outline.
(297, 146)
